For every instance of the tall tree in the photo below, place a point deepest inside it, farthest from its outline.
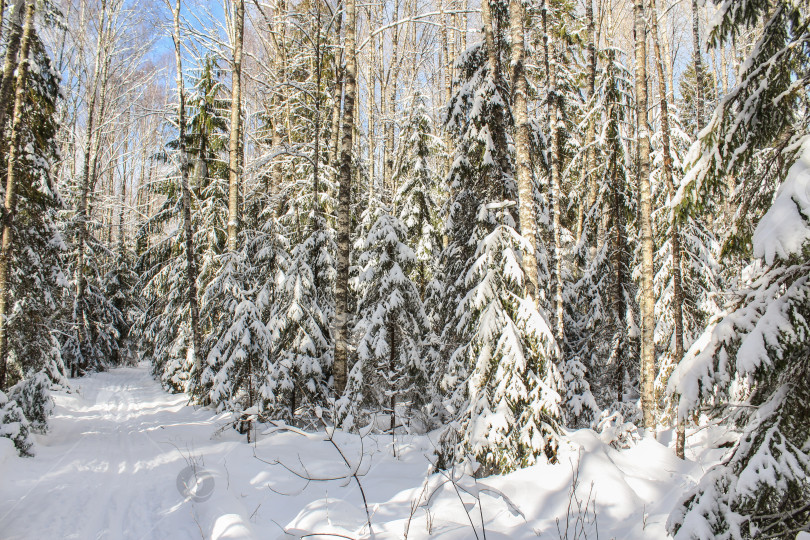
(525, 182)
(234, 145)
(191, 262)
(10, 206)
(674, 231)
(498, 366)
(344, 202)
(82, 211)
(645, 219)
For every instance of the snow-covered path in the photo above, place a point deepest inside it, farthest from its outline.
(109, 466)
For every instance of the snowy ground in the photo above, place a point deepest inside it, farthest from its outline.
(110, 465)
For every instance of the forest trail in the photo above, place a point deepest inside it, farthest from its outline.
(108, 469)
(108, 466)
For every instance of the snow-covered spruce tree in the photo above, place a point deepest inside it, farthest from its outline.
(165, 321)
(103, 327)
(510, 412)
(418, 194)
(226, 279)
(760, 341)
(501, 376)
(465, 183)
(38, 296)
(120, 285)
(304, 346)
(14, 426)
(393, 328)
(165, 324)
(242, 358)
(300, 184)
(602, 330)
(418, 199)
(33, 396)
(699, 266)
(206, 143)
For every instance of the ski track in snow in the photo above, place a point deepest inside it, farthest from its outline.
(108, 467)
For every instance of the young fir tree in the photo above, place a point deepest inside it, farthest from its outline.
(206, 143)
(467, 187)
(164, 324)
(120, 285)
(101, 341)
(242, 357)
(420, 190)
(304, 346)
(14, 425)
(231, 311)
(394, 331)
(757, 350)
(603, 326)
(302, 195)
(33, 395)
(418, 194)
(501, 376)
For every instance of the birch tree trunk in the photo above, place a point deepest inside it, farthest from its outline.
(385, 82)
(590, 130)
(372, 101)
(11, 187)
(344, 204)
(334, 138)
(647, 269)
(123, 195)
(445, 44)
(520, 108)
(674, 233)
(698, 59)
(393, 75)
(191, 264)
(233, 143)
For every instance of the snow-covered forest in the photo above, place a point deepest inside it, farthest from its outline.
(405, 268)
